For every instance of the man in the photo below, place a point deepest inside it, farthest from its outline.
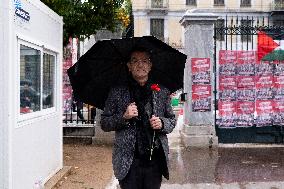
(141, 120)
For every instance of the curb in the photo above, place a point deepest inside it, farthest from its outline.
(54, 181)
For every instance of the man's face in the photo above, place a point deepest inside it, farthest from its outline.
(139, 64)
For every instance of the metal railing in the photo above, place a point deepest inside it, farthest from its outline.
(79, 115)
(157, 4)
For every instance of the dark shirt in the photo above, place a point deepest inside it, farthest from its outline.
(142, 96)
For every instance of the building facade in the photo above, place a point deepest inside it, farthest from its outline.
(161, 18)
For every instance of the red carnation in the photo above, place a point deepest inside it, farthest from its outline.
(155, 87)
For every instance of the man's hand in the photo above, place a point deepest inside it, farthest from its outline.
(131, 111)
(156, 122)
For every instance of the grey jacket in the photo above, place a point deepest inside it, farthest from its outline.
(125, 133)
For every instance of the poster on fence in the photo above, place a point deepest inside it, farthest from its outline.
(279, 113)
(264, 68)
(264, 87)
(227, 88)
(279, 87)
(227, 114)
(255, 89)
(264, 112)
(246, 94)
(200, 68)
(227, 62)
(246, 82)
(245, 114)
(201, 98)
(279, 68)
(246, 63)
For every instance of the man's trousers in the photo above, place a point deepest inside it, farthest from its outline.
(143, 176)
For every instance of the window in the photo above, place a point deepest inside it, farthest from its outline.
(245, 3)
(157, 4)
(191, 2)
(37, 80)
(246, 30)
(220, 25)
(279, 4)
(30, 61)
(48, 80)
(219, 2)
(157, 28)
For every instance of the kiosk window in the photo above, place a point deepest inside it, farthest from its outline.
(30, 95)
(37, 80)
(48, 80)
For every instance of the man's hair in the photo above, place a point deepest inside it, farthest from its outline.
(140, 49)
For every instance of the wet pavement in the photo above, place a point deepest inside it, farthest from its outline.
(226, 168)
(250, 166)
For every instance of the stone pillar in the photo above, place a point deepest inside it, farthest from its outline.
(199, 128)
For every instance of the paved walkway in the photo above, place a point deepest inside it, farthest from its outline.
(223, 168)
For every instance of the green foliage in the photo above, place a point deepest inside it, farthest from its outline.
(83, 18)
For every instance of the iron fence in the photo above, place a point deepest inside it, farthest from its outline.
(79, 114)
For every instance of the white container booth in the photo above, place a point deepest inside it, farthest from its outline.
(30, 93)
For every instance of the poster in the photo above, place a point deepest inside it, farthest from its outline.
(264, 112)
(227, 114)
(227, 62)
(279, 68)
(264, 87)
(201, 98)
(246, 61)
(246, 82)
(279, 113)
(255, 88)
(245, 114)
(200, 68)
(279, 88)
(227, 88)
(246, 94)
(264, 68)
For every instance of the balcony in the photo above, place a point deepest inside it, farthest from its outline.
(277, 8)
(157, 5)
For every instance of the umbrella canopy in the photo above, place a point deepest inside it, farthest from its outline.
(104, 66)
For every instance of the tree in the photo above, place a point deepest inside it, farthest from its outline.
(83, 18)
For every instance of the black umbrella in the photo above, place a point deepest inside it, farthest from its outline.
(104, 66)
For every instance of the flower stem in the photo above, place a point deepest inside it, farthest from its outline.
(152, 145)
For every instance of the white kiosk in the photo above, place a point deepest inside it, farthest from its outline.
(30, 93)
